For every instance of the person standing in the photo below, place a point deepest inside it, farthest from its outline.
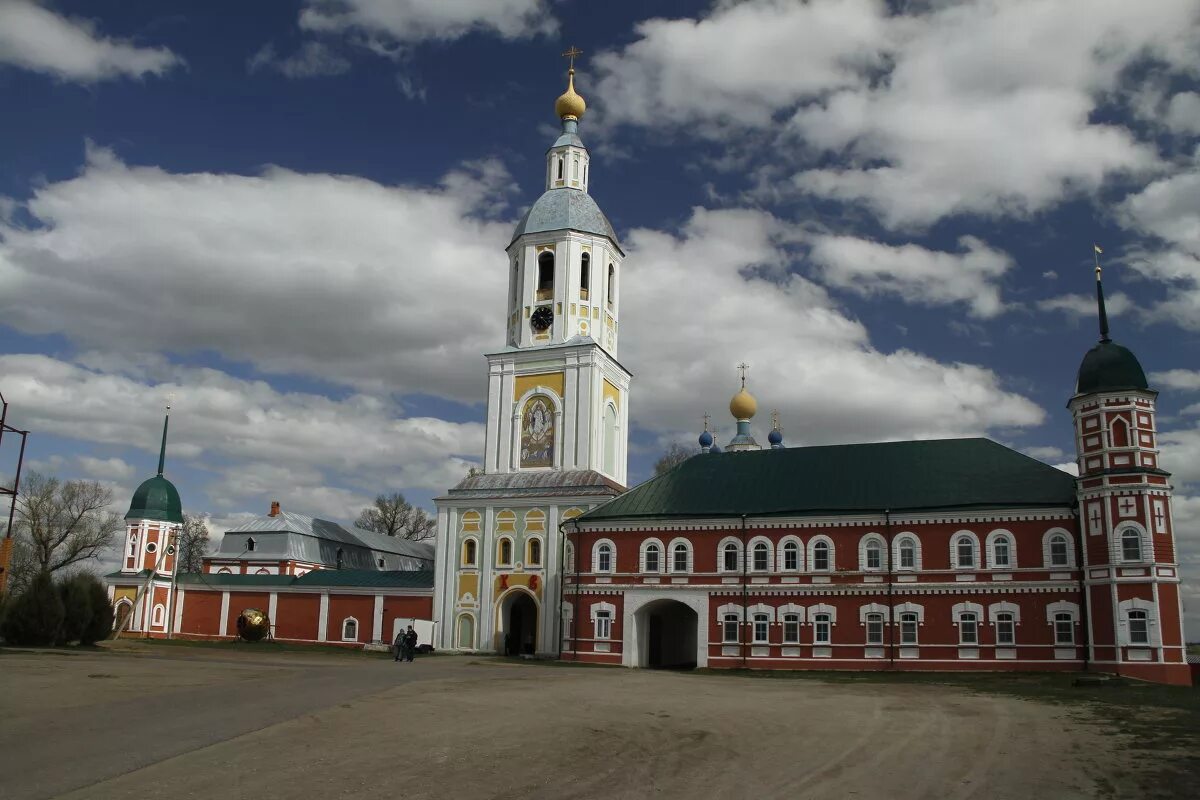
(398, 645)
(410, 641)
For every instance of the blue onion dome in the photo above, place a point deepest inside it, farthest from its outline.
(706, 439)
(716, 448)
(775, 436)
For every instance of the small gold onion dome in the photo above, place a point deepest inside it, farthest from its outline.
(743, 405)
(570, 104)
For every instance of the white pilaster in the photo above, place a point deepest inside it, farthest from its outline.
(323, 621)
(377, 620)
(224, 627)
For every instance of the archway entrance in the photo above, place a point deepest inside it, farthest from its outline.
(668, 628)
(519, 633)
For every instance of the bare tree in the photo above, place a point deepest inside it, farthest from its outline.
(193, 543)
(64, 523)
(675, 455)
(394, 516)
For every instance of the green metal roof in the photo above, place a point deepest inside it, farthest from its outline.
(157, 498)
(854, 478)
(1109, 367)
(318, 578)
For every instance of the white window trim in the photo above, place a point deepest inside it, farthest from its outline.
(541, 562)
(872, 608)
(799, 554)
(1047, 561)
(753, 543)
(783, 624)
(728, 608)
(862, 553)
(1152, 627)
(954, 540)
(823, 608)
(1004, 608)
(594, 613)
(158, 616)
(827, 611)
(721, 553)
(957, 612)
(671, 555)
(661, 556)
(612, 565)
(354, 638)
(916, 567)
(909, 608)
(1119, 546)
(761, 608)
(569, 558)
(753, 620)
(512, 549)
(812, 546)
(1062, 607)
(991, 549)
(791, 608)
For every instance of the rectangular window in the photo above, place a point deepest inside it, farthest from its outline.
(760, 628)
(821, 629)
(968, 629)
(873, 559)
(907, 556)
(908, 628)
(681, 558)
(1005, 629)
(1002, 553)
(729, 628)
(791, 629)
(790, 557)
(731, 558)
(874, 628)
(603, 624)
(821, 557)
(652, 559)
(760, 558)
(1064, 629)
(1139, 628)
(604, 561)
(966, 554)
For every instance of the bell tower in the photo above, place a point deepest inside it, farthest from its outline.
(1132, 572)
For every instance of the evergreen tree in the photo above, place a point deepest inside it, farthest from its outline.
(101, 624)
(75, 592)
(35, 617)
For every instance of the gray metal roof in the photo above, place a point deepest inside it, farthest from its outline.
(550, 483)
(288, 535)
(566, 209)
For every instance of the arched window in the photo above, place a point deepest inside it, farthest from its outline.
(265, 571)
(964, 551)
(350, 630)
(1064, 628)
(250, 544)
(908, 628)
(870, 554)
(821, 628)
(466, 632)
(653, 558)
(610, 439)
(515, 282)
(575, 169)
(791, 629)
(820, 559)
(791, 556)
(560, 168)
(604, 557)
(1059, 553)
(160, 614)
(612, 285)
(762, 557)
(729, 557)
(908, 553)
(874, 621)
(133, 544)
(470, 553)
(340, 558)
(545, 284)
(585, 275)
(761, 628)
(505, 556)
(535, 552)
(729, 627)
(968, 628)
(1002, 552)
(569, 557)
(1131, 545)
(679, 557)
(1139, 627)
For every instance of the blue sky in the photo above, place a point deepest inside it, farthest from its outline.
(292, 216)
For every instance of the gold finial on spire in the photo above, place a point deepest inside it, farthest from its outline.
(775, 419)
(742, 367)
(743, 405)
(570, 105)
(707, 418)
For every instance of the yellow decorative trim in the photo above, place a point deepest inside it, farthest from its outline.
(596, 312)
(554, 381)
(468, 583)
(535, 521)
(518, 579)
(612, 393)
(506, 522)
(542, 248)
(470, 522)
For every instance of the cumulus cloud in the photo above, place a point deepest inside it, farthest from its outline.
(933, 110)
(312, 60)
(411, 21)
(257, 439)
(37, 39)
(916, 274)
(113, 469)
(332, 276)
(720, 291)
(1084, 305)
(1187, 380)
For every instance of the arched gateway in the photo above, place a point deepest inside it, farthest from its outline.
(667, 635)
(517, 626)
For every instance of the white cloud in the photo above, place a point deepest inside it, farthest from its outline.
(313, 59)
(1047, 454)
(411, 21)
(1187, 380)
(259, 440)
(1183, 113)
(916, 274)
(938, 109)
(1069, 467)
(1084, 305)
(37, 39)
(112, 469)
(731, 298)
(337, 277)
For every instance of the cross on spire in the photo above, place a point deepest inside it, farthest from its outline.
(707, 418)
(742, 367)
(572, 53)
(775, 419)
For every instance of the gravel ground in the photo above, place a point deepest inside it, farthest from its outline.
(156, 722)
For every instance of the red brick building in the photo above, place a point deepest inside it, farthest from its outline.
(953, 554)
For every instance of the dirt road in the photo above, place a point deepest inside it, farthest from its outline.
(185, 726)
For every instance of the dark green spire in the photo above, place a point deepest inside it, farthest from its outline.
(162, 452)
(157, 498)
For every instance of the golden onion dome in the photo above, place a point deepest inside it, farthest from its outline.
(743, 405)
(570, 104)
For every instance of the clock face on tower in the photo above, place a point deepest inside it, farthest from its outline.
(541, 318)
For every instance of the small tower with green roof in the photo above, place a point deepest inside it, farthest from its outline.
(153, 522)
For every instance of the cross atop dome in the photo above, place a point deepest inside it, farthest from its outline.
(570, 105)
